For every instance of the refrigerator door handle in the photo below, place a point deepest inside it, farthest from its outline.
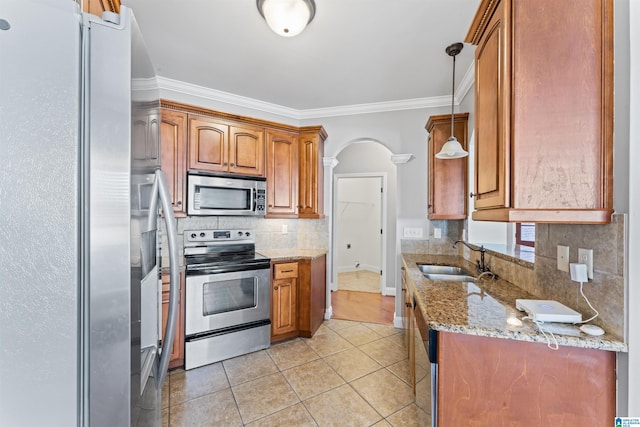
(174, 274)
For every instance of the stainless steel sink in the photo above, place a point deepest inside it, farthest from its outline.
(450, 277)
(442, 269)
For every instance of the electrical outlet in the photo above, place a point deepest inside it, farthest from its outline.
(437, 233)
(585, 256)
(284, 229)
(412, 232)
(563, 258)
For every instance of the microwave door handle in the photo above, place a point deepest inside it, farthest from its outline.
(174, 275)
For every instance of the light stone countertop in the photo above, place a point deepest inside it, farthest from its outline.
(292, 254)
(484, 308)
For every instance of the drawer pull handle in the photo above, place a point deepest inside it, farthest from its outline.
(286, 271)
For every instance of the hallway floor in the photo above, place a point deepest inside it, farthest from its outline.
(348, 374)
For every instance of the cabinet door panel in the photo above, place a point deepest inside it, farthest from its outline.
(177, 349)
(284, 304)
(447, 177)
(282, 173)
(490, 121)
(208, 142)
(173, 137)
(311, 173)
(246, 151)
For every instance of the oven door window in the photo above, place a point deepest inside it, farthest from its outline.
(223, 198)
(229, 295)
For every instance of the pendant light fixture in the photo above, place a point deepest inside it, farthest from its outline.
(287, 18)
(452, 148)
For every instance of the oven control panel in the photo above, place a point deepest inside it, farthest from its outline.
(199, 237)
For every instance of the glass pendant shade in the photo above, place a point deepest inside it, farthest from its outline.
(287, 18)
(451, 150)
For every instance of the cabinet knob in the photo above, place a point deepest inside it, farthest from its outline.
(275, 288)
(224, 164)
(270, 206)
(179, 203)
(232, 164)
(472, 195)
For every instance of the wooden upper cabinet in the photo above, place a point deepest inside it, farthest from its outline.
(208, 145)
(311, 172)
(216, 146)
(543, 111)
(173, 137)
(447, 177)
(246, 150)
(96, 7)
(198, 139)
(282, 174)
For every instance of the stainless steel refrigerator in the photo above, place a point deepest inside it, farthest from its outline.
(80, 195)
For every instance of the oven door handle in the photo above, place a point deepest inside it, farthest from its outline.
(174, 275)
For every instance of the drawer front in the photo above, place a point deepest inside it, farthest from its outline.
(285, 270)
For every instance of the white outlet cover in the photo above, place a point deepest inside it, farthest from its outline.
(437, 233)
(585, 256)
(563, 258)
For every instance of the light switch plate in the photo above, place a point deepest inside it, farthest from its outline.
(412, 232)
(437, 233)
(563, 258)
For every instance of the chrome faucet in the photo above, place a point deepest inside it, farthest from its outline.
(481, 267)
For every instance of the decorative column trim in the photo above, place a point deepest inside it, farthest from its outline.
(332, 162)
(401, 158)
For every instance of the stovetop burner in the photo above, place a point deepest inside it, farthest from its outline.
(217, 251)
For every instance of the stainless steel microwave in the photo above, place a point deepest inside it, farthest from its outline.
(226, 195)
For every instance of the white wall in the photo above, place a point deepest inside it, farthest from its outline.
(374, 158)
(358, 223)
(633, 181)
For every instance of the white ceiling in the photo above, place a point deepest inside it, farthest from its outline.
(354, 51)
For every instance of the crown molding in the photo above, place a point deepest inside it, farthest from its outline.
(176, 86)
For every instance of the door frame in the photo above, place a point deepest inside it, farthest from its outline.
(383, 223)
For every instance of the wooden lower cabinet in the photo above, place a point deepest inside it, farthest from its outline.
(498, 382)
(284, 299)
(177, 350)
(312, 296)
(298, 297)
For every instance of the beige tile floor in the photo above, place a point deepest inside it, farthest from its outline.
(348, 374)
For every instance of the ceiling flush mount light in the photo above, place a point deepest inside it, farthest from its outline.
(287, 17)
(452, 148)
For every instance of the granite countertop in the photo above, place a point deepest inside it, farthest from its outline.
(292, 254)
(486, 308)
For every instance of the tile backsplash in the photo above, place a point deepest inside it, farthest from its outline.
(607, 289)
(300, 233)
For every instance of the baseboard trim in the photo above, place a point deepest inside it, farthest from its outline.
(390, 291)
(397, 321)
(328, 313)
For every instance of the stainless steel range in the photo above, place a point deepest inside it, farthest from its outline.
(227, 305)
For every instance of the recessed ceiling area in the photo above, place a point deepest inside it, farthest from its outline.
(353, 52)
